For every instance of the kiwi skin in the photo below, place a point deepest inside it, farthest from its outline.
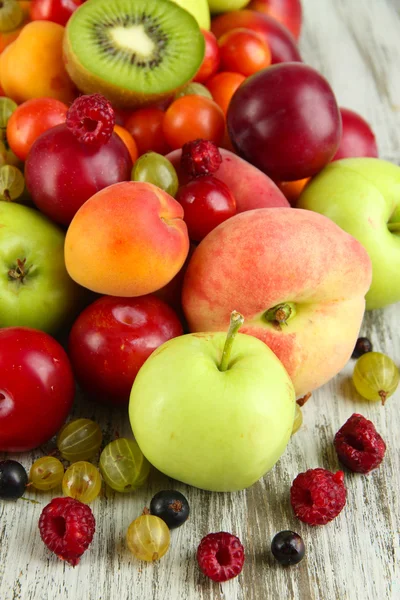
(88, 83)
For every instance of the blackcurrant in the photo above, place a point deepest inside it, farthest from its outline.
(13, 480)
(363, 345)
(288, 548)
(170, 506)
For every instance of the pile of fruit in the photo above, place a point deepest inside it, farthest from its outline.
(163, 186)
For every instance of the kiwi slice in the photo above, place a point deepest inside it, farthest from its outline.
(132, 51)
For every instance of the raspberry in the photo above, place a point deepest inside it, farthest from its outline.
(317, 496)
(67, 527)
(91, 119)
(220, 556)
(200, 157)
(358, 445)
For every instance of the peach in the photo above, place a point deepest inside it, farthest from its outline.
(298, 279)
(250, 187)
(32, 66)
(127, 240)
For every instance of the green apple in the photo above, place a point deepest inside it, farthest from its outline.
(199, 9)
(212, 413)
(35, 288)
(362, 195)
(219, 6)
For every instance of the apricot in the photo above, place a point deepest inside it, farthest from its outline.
(32, 66)
(128, 140)
(127, 240)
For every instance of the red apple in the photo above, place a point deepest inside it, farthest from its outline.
(112, 338)
(36, 388)
(285, 121)
(279, 39)
(211, 59)
(358, 139)
(287, 12)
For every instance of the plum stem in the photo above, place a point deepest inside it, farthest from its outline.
(236, 322)
(281, 313)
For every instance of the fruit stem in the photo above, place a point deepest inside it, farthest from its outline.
(383, 396)
(394, 227)
(20, 271)
(236, 322)
(281, 313)
(6, 193)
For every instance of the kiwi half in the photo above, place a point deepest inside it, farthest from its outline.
(132, 51)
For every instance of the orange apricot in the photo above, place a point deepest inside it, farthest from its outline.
(128, 140)
(32, 66)
(127, 240)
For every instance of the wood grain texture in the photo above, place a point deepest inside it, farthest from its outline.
(356, 45)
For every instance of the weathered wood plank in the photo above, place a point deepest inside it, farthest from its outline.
(356, 44)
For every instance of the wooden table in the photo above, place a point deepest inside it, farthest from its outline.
(356, 45)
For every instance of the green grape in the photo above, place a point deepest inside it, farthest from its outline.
(148, 538)
(298, 419)
(12, 183)
(7, 156)
(7, 107)
(46, 473)
(123, 466)
(155, 168)
(79, 440)
(376, 376)
(193, 89)
(11, 15)
(82, 481)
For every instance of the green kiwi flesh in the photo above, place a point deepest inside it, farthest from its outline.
(132, 51)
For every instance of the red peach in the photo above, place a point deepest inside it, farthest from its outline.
(127, 240)
(259, 260)
(250, 187)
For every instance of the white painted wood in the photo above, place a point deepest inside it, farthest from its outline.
(356, 44)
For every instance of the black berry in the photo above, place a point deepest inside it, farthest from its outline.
(171, 506)
(363, 345)
(288, 548)
(13, 480)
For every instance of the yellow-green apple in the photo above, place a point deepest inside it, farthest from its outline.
(199, 9)
(298, 279)
(219, 6)
(250, 186)
(35, 289)
(213, 411)
(362, 195)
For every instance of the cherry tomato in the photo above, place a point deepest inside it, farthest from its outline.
(36, 389)
(128, 141)
(58, 11)
(30, 120)
(211, 59)
(193, 117)
(222, 87)
(207, 202)
(244, 51)
(292, 189)
(145, 126)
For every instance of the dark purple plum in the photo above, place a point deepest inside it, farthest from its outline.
(285, 120)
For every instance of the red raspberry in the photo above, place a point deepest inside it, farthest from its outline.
(317, 496)
(67, 527)
(91, 119)
(358, 445)
(200, 157)
(220, 556)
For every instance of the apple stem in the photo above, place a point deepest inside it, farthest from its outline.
(394, 227)
(281, 313)
(236, 322)
(20, 271)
